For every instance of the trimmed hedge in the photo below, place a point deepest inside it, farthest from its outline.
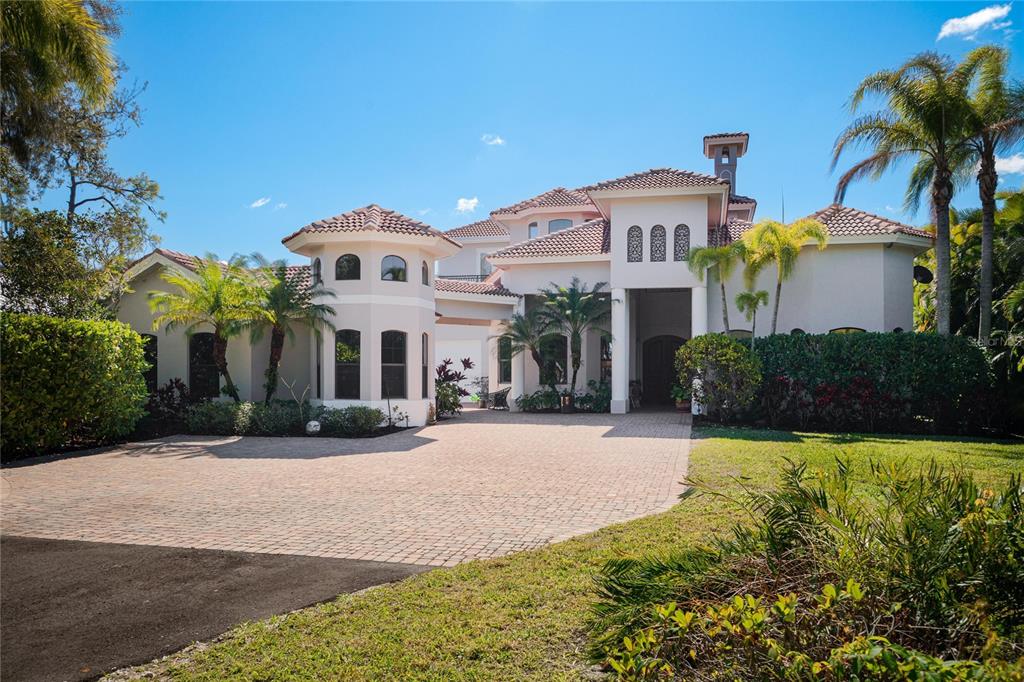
(280, 418)
(873, 382)
(67, 382)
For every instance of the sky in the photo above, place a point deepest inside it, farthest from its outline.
(261, 117)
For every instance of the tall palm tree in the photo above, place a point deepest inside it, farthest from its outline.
(288, 301)
(574, 310)
(773, 243)
(219, 295)
(723, 259)
(526, 333)
(747, 303)
(924, 121)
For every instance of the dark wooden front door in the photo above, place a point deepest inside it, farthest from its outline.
(659, 368)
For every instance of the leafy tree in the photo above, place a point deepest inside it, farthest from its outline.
(925, 120)
(287, 302)
(574, 310)
(222, 296)
(773, 243)
(747, 303)
(526, 333)
(723, 259)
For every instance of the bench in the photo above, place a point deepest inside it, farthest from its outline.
(499, 399)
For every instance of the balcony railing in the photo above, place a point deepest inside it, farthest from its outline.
(465, 278)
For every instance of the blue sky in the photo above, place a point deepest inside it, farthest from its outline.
(261, 117)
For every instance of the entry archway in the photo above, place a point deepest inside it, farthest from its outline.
(659, 368)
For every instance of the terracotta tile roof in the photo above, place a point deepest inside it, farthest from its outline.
(481, 228)
(730, 232)
(553, 198)
(189, 262)
(843, 221)
(717, 135)
(740, 199)
(658, 178)
(586, 239)
(463, 287)
(371, 218)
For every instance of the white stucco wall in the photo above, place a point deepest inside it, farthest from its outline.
(646, 213)
(467, 260)
(528, 279)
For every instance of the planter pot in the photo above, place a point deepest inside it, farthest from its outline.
(568, 406)
(683, 405)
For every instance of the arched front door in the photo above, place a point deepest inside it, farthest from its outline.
(659, 368)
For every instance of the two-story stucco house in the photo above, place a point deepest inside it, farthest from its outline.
(408, 296)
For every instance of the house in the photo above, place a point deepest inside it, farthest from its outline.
(396, 318)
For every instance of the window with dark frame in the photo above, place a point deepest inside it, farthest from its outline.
(203, 378)
(149, 353)
(657, 244)
(555, 351)
(393, 269)
(504, 360)
(317, 272)
(392, 364)
(634, 244)
(681, 243)
(606, 359)
(347, 267)
(425, 273)
(425, 364)
(347, 357)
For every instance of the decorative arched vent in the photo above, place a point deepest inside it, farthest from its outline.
(681, 243)
(634, 245)
(658, 244)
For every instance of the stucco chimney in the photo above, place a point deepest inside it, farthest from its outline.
(726, 149)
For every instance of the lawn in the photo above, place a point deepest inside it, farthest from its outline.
(522, 617)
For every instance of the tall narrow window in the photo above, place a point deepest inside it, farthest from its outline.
(485, 266)
(318, 277)
(634, 244)
(347, 354)
(559, 224)
(203, 379)
(555, 351)
(533, 230)
(606, 359)
(504, 360)
(392, 364)
(657, 244)
(681, 243)
(425, 273)
(425, 363)
(149, 353)
(347, 267)
(319, 371)
(392, 269)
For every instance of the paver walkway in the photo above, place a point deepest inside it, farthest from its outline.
(479, 486)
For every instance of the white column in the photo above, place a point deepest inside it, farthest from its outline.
(518, 366)
(620, 351)
(698, 311)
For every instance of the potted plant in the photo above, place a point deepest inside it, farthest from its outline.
(568, 404)
(681, 395)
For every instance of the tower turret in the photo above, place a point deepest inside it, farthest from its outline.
(726, 149)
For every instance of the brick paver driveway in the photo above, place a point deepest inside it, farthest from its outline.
(482, 485)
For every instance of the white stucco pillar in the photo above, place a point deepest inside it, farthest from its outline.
(698, 311)
(620, 351)
(518, 366)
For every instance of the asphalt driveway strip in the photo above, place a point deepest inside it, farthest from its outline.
(75, 610)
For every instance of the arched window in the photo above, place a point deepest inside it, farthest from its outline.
(555, 351)
(658, 244)
(347, 267)
(485, 266)
(347, 354)
(533, 230)
(392, 269)
(797, 331)
(559, 224)
(681, 243)
(504, 360)
(318, 277)
(149, 353)
(634, 244)
(392, 364)
(845, 330)
(725, 155)
(738, 334)
(424, 362)
(897, 330)
(203, 379)
(425, 273)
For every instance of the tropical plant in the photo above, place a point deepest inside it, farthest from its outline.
(448, 389)
(574, 310)
(747, 303)
(722, 259)
(773, 243)
(926, 120)
(222, 296)
(526, 333)
(724, 374)
(288, 301)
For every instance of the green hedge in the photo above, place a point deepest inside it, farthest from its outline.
(67, 382)
(873, 382)
(280, 418)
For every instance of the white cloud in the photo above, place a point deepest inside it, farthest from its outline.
(262, 201)
(1011, 165)
(466, 205)
(278, 207)
(490, 139)
(967, 27)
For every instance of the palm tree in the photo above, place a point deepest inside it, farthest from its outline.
(218, 295)
(288, 302)
(574, 310)
(723, 259)
(773, 243)
(47, 44)
(527, 334)
(925, 121)
(747, 303)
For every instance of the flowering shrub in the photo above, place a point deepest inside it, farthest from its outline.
(724, 374)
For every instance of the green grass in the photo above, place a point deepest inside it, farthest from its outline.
(523, 617)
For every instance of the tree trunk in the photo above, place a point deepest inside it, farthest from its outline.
(987, 181)
(778, 295)
(273, 369)
(725, 306)
(942, 194)
(753, 327)
(220, 357)
(575, 351)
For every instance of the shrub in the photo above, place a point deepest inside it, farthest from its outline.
(279, 418)
(213, 418)
(873, 382)
(170, 402)
(835, 583)
(544, 400)
(355, 421)
(67, 382)
(724, 373)
(448, 391)
(598, 400)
